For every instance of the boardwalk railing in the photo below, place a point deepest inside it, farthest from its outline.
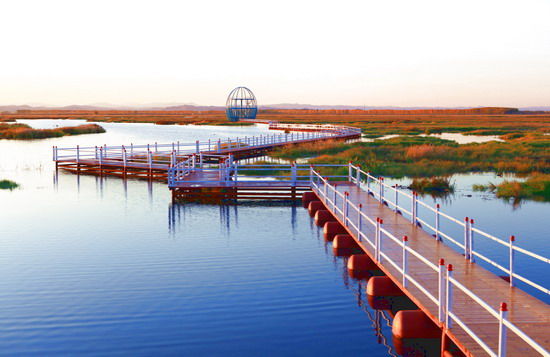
(357, 222)
(407, 203)
(229, 172)
(156, 153)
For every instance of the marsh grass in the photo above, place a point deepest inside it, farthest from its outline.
(417, 156)
(8, 185)
(536, 187)
(435, 186)
(25, 132)
(374, 123)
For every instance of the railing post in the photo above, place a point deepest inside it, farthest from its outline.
(511, 266)
(77, 154)
(100, 156)
(131, 150)
(197, 146)
(310, 173)
(441, 290)
(449, 297)
(396, 198)
(359, 221)
(380, 239)
(368, 182)
(150, 160)
(380, 190)
(346, 208)
(334, 196)
(502, 335)
(326, 187)
(437, 208)
(294, 173)
(156, 147)
(377, 240)
(358, 175)
(219, 145)
(349, 171)
(124, 158)
(471, 241)
(413, 208)
(405, 261)
(466, 238)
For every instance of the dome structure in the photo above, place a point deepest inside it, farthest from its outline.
(241, 104)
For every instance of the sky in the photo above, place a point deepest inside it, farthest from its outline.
(372, 53)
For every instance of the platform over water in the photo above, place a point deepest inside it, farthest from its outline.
(526, 312)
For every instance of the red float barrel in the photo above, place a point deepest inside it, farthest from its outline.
(314, 206)
(307, 197)
(323, 216)
(414, 324)
(382, 286)
(331, 229)
(344, 244)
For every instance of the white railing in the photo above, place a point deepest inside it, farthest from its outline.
(372, 232)
(407, 203)
(227, 171)
(163, 154)
(314, 127)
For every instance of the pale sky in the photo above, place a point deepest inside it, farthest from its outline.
(374, 53)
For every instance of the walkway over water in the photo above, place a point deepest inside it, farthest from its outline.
(153, 161)
(464, 300)
(471, 314)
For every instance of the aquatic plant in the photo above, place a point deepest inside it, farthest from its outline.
(536, 187)
(417, 156)
(436, 186)
(8, 185)
(25, 132)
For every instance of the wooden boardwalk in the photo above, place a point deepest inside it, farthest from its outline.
(528, 313)
(214, 176)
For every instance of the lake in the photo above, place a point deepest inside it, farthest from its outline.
(103, 266)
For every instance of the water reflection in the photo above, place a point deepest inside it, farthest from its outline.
(228, 214)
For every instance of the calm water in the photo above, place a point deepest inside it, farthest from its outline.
(108, 267)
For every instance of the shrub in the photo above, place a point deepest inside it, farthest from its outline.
(8, 185)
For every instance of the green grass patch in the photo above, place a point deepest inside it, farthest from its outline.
(417, 156)
(435, 186)
(8, 185)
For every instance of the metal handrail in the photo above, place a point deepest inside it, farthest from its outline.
(322, 187)
(356, 175)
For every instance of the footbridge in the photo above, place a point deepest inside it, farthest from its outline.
(400, 245)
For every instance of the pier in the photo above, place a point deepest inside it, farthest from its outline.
(473, 311)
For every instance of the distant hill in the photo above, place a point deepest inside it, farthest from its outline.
(344, 107)
(536, 109)
(285, 107)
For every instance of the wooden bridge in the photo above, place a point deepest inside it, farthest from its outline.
(475, 311)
